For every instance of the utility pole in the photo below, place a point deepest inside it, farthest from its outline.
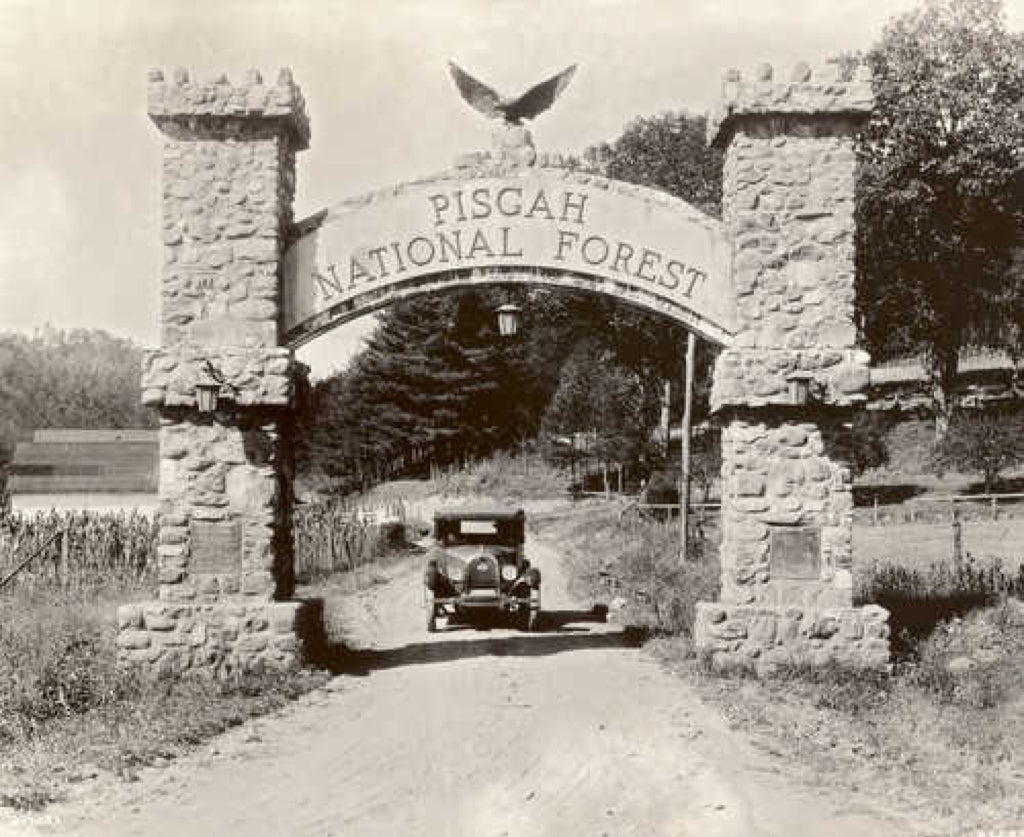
(684, 476)
(666, 431)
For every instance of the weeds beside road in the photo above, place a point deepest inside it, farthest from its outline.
(68, 712)
(636, 567)
(942, 733)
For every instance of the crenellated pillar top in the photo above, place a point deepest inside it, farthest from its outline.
(808, 93)
(184, 107)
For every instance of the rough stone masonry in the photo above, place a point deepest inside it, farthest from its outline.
(225, 553)
(786, 388)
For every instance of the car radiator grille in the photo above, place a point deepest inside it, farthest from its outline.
(481, 572)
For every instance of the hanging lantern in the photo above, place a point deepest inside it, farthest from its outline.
(508, 319)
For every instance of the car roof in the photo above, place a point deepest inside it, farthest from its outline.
(480, 514)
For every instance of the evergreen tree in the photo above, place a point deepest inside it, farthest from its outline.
(434, 386)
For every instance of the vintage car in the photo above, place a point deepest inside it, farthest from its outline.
(476, 567)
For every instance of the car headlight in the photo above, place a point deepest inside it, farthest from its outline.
(509, 572)
(458, 573)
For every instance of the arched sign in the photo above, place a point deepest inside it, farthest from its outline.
(548, 226)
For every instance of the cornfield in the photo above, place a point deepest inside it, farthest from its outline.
(79, 550)
(337, 537)
(88, 550)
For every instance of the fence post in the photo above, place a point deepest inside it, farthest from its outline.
(65, 552)
(957, 538)
(995, 508)
(874, 513)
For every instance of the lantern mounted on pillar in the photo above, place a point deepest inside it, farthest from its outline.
(800, 388)
(509, 317)
(208, 388)
(207, 393)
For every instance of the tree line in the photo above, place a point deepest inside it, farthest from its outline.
(437, 386)
(68, 378)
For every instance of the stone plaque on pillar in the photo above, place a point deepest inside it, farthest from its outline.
(216, 548)
(796, 553)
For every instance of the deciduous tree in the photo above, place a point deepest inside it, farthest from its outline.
(982, 443)
(939, 192)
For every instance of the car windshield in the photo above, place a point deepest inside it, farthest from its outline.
(467, 551)
(478, 532)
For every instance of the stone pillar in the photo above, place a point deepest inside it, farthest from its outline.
(785, 390)
(222, 385)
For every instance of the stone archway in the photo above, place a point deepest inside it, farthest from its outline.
(243, 285)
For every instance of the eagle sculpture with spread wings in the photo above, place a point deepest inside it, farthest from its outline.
(529, 105)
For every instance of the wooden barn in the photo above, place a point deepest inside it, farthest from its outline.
(96, 470)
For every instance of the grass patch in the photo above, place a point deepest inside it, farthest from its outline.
(941, 735)
(636, 566)
(506, 477)
(68, 712)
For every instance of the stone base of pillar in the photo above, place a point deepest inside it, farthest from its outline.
(168, 639)
(762, 638)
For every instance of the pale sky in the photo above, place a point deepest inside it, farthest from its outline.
(80, 161)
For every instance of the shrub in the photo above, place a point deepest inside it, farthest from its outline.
(706, 462)
(661, 488)
(991, 643)
(838, 688)
(921, 599)
(864, 447)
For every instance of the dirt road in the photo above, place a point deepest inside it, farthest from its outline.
(473, 734)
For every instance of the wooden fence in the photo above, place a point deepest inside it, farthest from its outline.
(943, 509)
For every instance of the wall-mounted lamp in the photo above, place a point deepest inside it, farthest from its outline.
(210, 388)
(800, 387)
(207, 393)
